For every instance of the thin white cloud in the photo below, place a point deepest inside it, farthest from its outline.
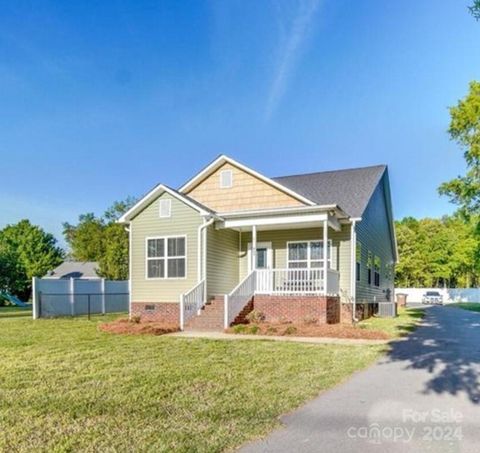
(289, 53)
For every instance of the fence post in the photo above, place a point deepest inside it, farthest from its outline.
(182, 306)
(225, 312)
(88, 306)
(103, 295)
(72, 295)
(35, 298)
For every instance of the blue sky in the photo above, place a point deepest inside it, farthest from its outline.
(100, 100)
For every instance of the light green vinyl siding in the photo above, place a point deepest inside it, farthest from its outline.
(375, 235)
(184, 221)
(222, 260)
(341, 250)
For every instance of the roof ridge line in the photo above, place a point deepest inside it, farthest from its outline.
(330, 171)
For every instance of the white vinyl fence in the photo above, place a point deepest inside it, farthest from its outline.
(74, 297)
(450, 295)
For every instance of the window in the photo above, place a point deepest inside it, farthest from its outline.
(369, 267)
(166, 257)
(165, 208)
(308, 254)
(377, 265)
(226, 179)
(359, 260)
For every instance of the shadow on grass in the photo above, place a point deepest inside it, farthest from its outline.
(446, 346)
(15, 312)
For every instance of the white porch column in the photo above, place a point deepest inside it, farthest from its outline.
(254, 247)
(325, 257)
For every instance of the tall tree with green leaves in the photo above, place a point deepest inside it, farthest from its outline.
(26, 251)
(101, 239)
(465, 130)
(475, 9)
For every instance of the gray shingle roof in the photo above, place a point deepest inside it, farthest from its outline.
(75, 269)
(350, 189)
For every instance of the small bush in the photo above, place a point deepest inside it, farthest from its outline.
(239, 328)
(290, 330)
(271, 330)
(253, 329)
(255, 316)
(136, 319)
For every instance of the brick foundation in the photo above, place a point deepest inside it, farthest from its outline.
(363, 311)
(168, 312)
(278, 308)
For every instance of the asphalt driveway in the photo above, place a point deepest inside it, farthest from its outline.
(423, 396)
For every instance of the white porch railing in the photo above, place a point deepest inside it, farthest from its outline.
(238, 298)
(296, 281)
(192, 302)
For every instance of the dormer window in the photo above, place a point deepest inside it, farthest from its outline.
(226, 179)
(165, 208)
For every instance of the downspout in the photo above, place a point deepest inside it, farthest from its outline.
(202, 263)
(353, 282)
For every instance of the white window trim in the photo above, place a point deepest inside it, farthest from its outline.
(309, 260)
(222, 172)
(169, 208)
(147, 258)
(261, 245)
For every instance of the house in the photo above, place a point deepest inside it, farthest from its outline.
(74, 269)
(231, 239)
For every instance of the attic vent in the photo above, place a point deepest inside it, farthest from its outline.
(226, 179)
(165, 208)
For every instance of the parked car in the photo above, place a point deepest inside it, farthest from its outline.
(432, 297)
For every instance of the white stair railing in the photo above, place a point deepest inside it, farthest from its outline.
(239, 297)
(192, 302)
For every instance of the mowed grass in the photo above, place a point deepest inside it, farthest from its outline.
(66, 386)
(15, 312)
(470, 306)
(406, 322)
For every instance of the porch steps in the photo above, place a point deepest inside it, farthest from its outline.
(210, 318)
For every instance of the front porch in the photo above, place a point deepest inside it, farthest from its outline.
(281, 260)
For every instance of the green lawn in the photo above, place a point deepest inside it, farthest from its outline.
(15, 312)
(471, 306)
(402, 325)
(66, 386)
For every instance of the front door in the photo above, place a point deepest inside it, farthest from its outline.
(263, 263)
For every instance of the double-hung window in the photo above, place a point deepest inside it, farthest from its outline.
(307, 254)
(369, 267)
(377, 265)
(166, 257)
(359, 260)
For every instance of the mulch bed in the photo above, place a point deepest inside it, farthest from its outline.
(127, 327)
(309, 330)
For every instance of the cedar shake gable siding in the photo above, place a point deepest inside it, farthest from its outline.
(247, 192)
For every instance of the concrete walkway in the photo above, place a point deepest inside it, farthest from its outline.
(423, 396)
(311, 340)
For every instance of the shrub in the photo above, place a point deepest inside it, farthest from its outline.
(136, 319)
(255, 316)
(239, 328)
(271, 330)
(253, 329)
(290, 330)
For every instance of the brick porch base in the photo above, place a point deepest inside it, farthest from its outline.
(319, 309)
(168, 312)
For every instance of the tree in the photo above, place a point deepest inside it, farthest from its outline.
(26, 251)
(475, 9)
(465, 130)
(101, 239)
